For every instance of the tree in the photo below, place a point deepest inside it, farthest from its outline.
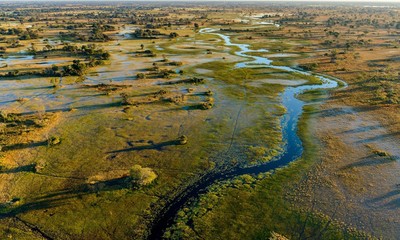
(173, 35)
(140, 75)
(54, 68)
(142, 46)
(333, 56)
(105, 56)
(142, 176)
(347, 46)
(277, 236)
(48, 47)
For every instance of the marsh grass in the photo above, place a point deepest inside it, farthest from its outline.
(102, 140)
(242, 207)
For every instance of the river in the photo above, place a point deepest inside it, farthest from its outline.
(293, 148)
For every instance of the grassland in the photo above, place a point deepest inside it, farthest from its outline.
(247, 201)
(174, 103)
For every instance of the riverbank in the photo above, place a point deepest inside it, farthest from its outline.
(186, 221)
(293, 149)
(241, 208)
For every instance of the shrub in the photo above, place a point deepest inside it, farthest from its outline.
(182, 140)
(175, 63)
(206, 105)
(195, 80)
(126, 100)
(141, 76)
(6, 117)
(142, 176)
(309, 66)
(277, 236)
(52, 141)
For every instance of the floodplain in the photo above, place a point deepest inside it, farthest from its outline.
(199, 121)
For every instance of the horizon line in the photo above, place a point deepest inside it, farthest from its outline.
(204, 1)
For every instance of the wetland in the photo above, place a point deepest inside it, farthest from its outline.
(196, 121)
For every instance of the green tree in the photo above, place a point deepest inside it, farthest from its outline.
(142, 176)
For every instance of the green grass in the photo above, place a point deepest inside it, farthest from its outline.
(60, 199)
(12, 230)
(79, 192)
(282, 62)
(251, 207)
(62, 187)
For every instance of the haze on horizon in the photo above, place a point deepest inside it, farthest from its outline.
(336, 1)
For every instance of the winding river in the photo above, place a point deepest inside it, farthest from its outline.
(293, 148)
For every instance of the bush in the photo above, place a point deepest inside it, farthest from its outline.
(142, 176)
(309, 66)
(195, 80)
(208, 104)
(6, 117)
(52, 141)
(126, 100)
(277, 236)
(182, 140)
(141, 76)
(176, 63)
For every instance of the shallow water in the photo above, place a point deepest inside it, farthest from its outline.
(40, 93)
(293, 148)
(51, 62)
(293, 105)
(10, 60)
(126, 32)
(283, 55)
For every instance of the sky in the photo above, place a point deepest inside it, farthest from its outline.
(369, 1)
(327, 1)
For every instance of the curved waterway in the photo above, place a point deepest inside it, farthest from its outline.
(293, 148)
